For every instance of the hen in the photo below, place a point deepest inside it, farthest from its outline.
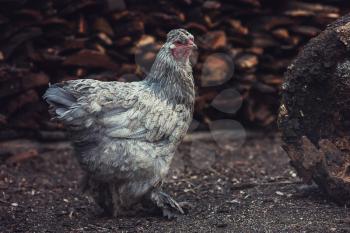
(125, 134)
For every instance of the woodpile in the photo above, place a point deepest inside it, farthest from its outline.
(243, 44)
(315, 110)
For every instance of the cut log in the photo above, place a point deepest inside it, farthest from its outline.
(90, 58)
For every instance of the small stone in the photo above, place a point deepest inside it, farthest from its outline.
(221, 224)
(234, 201)
(279, 193)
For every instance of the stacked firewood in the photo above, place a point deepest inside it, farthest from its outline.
(243, 44)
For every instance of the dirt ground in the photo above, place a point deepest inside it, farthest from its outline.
(247, 189)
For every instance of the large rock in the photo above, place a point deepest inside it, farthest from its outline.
(315, 111)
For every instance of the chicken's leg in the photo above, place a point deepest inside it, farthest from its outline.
(169, 207)
(101, 193)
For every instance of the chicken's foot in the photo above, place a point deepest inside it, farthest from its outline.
(169, 207)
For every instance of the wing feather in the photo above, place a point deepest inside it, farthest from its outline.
(118, 110)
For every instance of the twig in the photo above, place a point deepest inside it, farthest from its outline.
(5, 202)
(9, 203)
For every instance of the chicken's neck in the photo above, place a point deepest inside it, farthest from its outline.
(171, 80)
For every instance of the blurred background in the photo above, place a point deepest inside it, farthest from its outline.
(244, 48)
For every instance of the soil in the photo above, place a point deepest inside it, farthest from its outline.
(250, 188)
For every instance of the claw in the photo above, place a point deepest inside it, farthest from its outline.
(169, 200)
(170, 208)
(186, 206)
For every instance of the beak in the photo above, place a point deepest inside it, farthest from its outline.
(192, 44)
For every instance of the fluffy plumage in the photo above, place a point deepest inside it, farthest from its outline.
(125, 134)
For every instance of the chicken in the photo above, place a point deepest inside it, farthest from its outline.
(125, 134)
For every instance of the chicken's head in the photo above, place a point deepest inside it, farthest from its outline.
(181, 44)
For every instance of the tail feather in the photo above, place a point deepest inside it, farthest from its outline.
(60, 100)
(56, 95)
